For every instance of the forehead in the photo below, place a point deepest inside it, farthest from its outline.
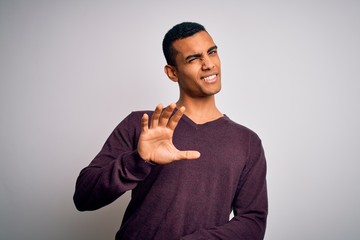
(198, 43)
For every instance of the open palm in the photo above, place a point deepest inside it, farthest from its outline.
(155, 142)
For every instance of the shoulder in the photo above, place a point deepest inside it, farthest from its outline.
(241, 132)
(138, 114)
(248, 137)
(237, 127)
(132, 120)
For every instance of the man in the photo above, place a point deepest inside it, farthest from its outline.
(188, 165)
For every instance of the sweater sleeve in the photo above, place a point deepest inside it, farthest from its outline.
(250, 205)
(116, 169)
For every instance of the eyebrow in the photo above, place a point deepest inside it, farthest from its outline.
(212, 48)
(198, 55)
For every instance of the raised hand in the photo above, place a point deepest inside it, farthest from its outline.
(155, 142)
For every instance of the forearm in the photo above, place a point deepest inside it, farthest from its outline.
(250, 204)
(249, 225)
(235, 229)
(100, 184)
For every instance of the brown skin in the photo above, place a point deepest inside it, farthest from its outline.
(198, 74)
(155, 142)
(197, 58)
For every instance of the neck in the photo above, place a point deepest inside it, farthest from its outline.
(200, 110)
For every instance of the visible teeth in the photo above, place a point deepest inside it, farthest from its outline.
(209, 78)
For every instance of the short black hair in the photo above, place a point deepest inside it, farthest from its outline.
(179, 31)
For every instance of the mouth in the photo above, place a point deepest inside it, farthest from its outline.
(210, 79)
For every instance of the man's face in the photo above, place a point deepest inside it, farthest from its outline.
(197, 66)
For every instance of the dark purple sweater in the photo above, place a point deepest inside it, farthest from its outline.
(185, 199)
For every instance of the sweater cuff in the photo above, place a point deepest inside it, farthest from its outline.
(137, 166)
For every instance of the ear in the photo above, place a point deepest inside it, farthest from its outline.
(170, 71)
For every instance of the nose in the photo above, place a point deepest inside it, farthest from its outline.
(207, 63)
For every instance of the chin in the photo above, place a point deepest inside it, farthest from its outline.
(217, 90)
(214, 92)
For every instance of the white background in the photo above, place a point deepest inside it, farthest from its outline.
(72, 70)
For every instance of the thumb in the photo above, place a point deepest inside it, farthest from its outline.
(188, 155)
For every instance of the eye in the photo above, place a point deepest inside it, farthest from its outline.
(190, 60)
(213, 52)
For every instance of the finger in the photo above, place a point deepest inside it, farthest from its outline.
(188, 155)
(165, 115)
(176, 118)
(156, 115)
(145, 123)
